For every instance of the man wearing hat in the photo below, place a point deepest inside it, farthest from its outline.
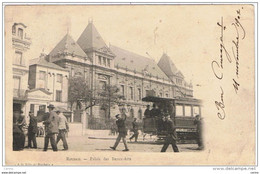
(32, 130)
(199, 125)
(63, 128)
(171, 135)
(51, 128)
(147, 112)
(120, 122)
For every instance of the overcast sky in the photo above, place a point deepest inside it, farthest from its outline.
(179, 31)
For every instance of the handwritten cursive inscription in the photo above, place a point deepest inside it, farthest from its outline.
(220, 106)
(218, 65)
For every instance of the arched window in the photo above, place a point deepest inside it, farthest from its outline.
(132, 114)
(140, 113)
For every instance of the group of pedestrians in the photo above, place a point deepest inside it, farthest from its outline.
(166, 124)
(55, 125)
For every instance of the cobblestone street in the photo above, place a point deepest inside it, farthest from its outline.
(85, 143)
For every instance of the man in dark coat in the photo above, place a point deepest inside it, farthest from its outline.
(147, 112)
(199, 125)
(135, 130)
(120, 122)
(51, 128)
(155, 112)
(171, 135)
(32, 130)
(18, 134)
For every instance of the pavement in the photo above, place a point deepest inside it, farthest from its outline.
(88, 143)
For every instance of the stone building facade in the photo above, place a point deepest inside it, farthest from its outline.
(20, 44)
(48, 84)
(103, 65)
(37, 83)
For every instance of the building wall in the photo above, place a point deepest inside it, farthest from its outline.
(50, 82)
(97, 73)
(32, 77)
(20, 44)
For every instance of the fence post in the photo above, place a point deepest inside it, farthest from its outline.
(72, 117)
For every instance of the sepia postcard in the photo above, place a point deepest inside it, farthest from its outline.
(121, 84)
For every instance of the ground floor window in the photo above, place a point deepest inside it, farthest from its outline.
(140, 113)
(132, 113)
(58, 95)
(179, 111)
(32, 108)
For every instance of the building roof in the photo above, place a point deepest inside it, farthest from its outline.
(135, 62)
(43, 62)
(90, 38)
(167, 66)
(68, 45)
(40, 89)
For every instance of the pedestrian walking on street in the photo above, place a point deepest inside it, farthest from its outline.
(63, 129)
(51, 128)
(135, 130)
(171, 135)
(32, 130)
(120, 122)
(199, 125)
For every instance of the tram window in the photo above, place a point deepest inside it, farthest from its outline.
(179, 111)
(188, 111)
(195, 110)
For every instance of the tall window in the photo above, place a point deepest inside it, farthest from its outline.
(104, 61)
(146, 93)
(179, 111)
(42, 75)
(108, 62)
(188, 111)
(32, 108)
(166, 95)
(196, 111)
(18, 58)
(59, 78)
(102, 85)
(58, 95)
(160, 94)
(131, 93)
(139, 94)
(122, 90)
(99, 60)
(140, 113)
(42, 108)
(20, 33)
(132, 113)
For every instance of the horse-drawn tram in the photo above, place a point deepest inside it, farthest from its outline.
(182, 111)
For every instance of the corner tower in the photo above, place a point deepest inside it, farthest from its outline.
(95, 47)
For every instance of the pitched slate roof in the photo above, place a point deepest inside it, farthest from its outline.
(68, 45)
(132, 61)
(43, 62)
(167, 66)
(90, 38)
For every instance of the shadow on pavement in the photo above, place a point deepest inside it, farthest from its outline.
(105, 149)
